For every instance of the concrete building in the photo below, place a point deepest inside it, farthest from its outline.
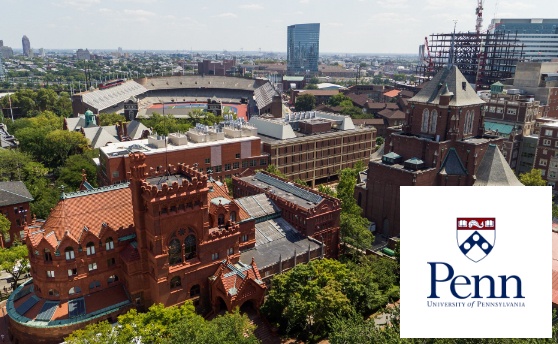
(441, 143)
(26, 46)
(6, 52)
(314, 146)
(539, 79)
(224, 150)
(538, 36)
(166, 237)
(14, 204)
(83, 54)
(303, 48)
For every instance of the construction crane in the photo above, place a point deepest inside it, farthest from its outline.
(478, 11)
(428, 59)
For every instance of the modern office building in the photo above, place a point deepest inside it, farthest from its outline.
(26, 46)
(539, 36)
(303, 48)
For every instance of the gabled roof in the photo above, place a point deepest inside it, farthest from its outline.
(452, 77)
(14, 193)
(452, 165)
(494, 170)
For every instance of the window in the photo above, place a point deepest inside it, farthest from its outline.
(109, 244)
(233, 216)
(111, 262)
(425, 121)
(112, 279)
(48, 255)
(237, 155)
(218, 169)
(236, 165)
(190, 246)
(548, 132)
(72, 272)
(74, 290)
(69, 251)
(252, 163)
(433, 121)
(543, 173)
(263, 162)
(207, 160)
(115, 174)
(90, 247)
(546, 142)
(551, 174)
(230, 251)
(543, 162)
(227, 167)
(492, 109)
(215, 256)
(499, 110)
(175, 282)
(94, 284)
(92, 266)
(50, 273)
(53, 292)
(468, 127)
(195, 290)
(175, 252)
(511, 111)
(245, 164)
(244, 238)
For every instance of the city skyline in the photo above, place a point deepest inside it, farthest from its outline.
(356, 26)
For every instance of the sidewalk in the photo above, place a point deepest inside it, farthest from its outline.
(4, 323)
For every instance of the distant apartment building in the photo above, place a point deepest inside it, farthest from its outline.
(6, 52)
(538, 36)
(26, 46)
(83, 54)
(221, 151)
(303, 48)
(546, 157)
(527, 151)
(211, 67)
(314, 146)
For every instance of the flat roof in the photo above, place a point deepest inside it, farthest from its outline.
(300, 137)
(125, 148)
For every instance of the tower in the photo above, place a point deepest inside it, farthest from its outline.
(303, 48)
(131, 108)
(26, 46)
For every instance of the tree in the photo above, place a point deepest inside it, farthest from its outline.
(305, 102)
(275, 170)
(311, 87)
(70, 174)
(11, 164)
(337, 99)
(379, 141)
(327, 190)
(5, 225)
(110, 119)
(532, 178)
(15, 262)
(300, 182)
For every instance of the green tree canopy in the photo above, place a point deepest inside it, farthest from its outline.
(111, 118)
(70, 174)
(337, 99)
(5, 224)
(15, 262)
(275, 170)
(168, 325)
(31, 102)
(532, 178)
(305, 102)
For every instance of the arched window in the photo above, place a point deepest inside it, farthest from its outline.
(233, 216)
(112, 279)
(94, 284)
(109, 244)
(53, 292)
(221, 220)
(90, 247)
(468, 127)
(433, 121)
(69, 251)
(175, 282)
(195, 290)
(190, 246)
(48, 255)
(425, 121)
(175, 252)
(74, 290)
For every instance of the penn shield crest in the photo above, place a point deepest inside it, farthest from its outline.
(476, 236)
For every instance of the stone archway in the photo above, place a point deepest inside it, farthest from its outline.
(249, 307)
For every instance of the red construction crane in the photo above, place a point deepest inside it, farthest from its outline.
(479, 16)
(428, 59)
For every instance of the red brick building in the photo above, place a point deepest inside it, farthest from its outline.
(166, 237)
(441, 143)
(14, 204)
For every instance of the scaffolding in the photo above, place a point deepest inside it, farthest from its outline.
(482, 58)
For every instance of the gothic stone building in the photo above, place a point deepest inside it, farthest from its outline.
(441, 143)
(166, 237)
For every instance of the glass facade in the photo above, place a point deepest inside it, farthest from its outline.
(539, 36)
(303, 48)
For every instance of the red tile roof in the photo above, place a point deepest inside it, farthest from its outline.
(392, 93)
(84, 212)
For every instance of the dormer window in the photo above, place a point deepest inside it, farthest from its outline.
(90, 248)
(69, 251)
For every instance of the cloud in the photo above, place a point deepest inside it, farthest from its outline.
(226, 15)
(304, 1)
(393, 3)
(252, 7)
(139, 13)
(334, 24)
(80, 5)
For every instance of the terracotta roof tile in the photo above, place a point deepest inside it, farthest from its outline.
(392, 93)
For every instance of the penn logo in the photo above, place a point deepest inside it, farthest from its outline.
(476, 236)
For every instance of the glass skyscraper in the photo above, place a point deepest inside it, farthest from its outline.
(303, 48)
(539, 36)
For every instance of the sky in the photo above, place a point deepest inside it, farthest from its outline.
(347, 26)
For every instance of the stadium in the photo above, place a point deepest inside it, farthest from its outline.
(179, 95)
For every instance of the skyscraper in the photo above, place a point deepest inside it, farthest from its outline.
(303, 48)
(26, 45)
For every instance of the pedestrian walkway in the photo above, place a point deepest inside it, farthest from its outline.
(4, 323)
